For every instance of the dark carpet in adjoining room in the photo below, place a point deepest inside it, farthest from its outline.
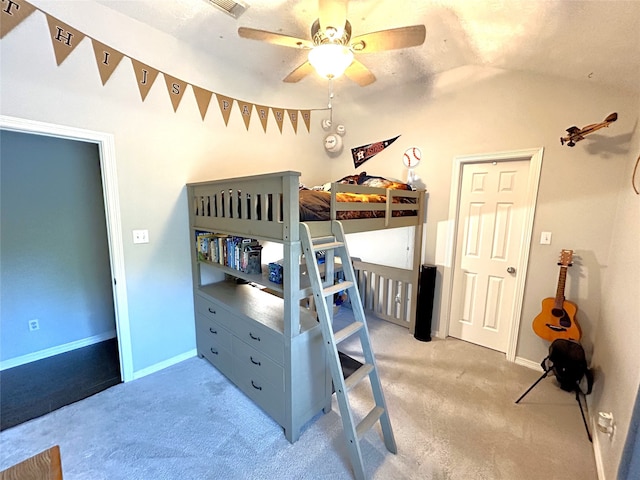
(37, 388)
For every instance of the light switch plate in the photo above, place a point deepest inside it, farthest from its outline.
(545, 238)
(141, 236)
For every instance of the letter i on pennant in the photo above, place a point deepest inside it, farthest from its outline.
(107, 59)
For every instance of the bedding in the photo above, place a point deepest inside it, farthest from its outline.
(367, 181)
(373, 181)
(315, 204)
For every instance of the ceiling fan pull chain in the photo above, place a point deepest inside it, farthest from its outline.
(330, 105)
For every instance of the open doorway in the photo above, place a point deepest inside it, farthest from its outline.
(62, 261)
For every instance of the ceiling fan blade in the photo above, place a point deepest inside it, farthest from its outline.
(391, 39)
(299, 73)
(359, 74)
(274, 38)
(332, 13)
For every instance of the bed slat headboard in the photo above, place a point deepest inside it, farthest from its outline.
(260, 206)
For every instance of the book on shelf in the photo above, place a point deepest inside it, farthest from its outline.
(238, 253)
(208, 246)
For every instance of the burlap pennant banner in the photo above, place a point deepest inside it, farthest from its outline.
(245, 111)
(145, 76)
(225, 104)
(263, 115)
(278, 114)
(107, 59)
(306, 116)
(176, 89)
(13, 12)
(65, 39)
(203, 99)
(293, 116)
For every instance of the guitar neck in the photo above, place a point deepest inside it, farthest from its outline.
(562, 279)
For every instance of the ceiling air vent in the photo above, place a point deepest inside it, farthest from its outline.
(233, 8)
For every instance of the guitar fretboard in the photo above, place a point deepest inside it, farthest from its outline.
(562, 278)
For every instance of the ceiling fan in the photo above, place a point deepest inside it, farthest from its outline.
(331, 48)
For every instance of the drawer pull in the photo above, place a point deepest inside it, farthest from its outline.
(254, 338)
(257, 387)
(215, 352)
(211, 311)
(253, 361)
(215, 332)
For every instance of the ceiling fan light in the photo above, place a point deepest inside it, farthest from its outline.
(330, 59)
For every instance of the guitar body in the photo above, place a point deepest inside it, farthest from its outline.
(553, 323)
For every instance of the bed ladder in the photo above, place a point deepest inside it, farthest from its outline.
(323, 296)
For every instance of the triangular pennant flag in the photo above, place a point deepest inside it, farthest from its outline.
(245, 111)
(176, 90)
(263, 115)
(12, 14)
(65, 38)
(225, 104)
(278, 114)
(365, 152)
(293, 116)
(306, 116)
(107, 59)
(145, 76)
(203, 98)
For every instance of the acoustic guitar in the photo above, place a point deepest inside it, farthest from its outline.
(558, 316)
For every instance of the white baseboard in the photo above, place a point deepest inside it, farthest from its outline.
(50, 352)
(528, 363)
(164, 364)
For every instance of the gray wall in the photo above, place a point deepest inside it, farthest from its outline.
(471, 110)
(53, 244)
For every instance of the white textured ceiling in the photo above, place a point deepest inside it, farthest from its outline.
(594, 41)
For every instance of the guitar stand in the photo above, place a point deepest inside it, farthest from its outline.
(577, 391)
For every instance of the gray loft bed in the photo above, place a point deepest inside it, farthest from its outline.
(249, 206)
(266, 207)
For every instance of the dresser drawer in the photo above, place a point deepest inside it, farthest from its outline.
(261, 338)
(220, 358)
(214, 311)
(269, 397)
(211, 333)
(254, 362)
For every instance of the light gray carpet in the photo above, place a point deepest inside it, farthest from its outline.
(451, 406)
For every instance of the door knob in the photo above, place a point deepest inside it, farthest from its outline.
(511, 270)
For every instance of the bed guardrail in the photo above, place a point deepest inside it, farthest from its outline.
(260, 205)
(385, 291)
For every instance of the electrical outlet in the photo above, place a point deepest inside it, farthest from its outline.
(141, 236)
(34, 325)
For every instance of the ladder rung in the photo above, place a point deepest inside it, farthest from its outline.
(369, 421)
(336, 287)
(347, 331)
(319, 240)
(316, 247)
(357, 376)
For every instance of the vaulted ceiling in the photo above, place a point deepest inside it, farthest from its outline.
(593, 41)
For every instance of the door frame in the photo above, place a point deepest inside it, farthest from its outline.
(108, 172)
(534, 157)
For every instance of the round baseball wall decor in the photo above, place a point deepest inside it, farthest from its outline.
(412, 157)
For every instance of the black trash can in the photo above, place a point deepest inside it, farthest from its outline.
(424, 309)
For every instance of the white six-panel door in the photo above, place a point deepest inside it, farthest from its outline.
(488, 248)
